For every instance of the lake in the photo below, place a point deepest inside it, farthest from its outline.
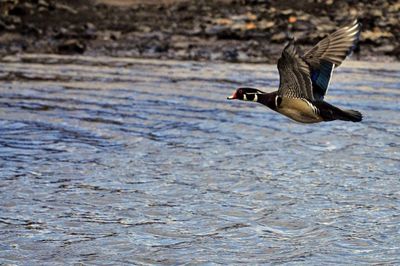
(113, 161)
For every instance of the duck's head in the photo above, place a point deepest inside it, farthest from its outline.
(245, 94)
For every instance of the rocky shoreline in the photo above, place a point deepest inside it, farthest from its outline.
(223, 30)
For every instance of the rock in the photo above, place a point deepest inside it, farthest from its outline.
(3, 25)
(66, 8)
(386, 49)
(43, 3)
(30, 28)
(287, 12)
(375, 35)
(376, 13)
(71, 47)
(394, 52)
(21, 10)
(223, 21)
(14, 20)
(265, 24)
(6, 6)
(199, 54)
(61, 33)
(325, 28)
(250, 26)
(145, 29)
(161, 48)
(242, 57)
(230, 55)
(89, 31)
(278, 37)
(115, 35)
(395, 7)
(222, 32)
(302, 25)
(90, 26)
(6, 26)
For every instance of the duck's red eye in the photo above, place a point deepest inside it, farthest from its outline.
(240, 92)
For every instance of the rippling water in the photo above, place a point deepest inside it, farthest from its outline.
(113, 161)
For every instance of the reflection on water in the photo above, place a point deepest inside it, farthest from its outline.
(114, 161)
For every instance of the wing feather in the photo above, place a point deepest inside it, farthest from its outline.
(328, 54)
(335, 47)
(295, 81)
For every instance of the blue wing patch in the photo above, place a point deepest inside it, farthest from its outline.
(320, 79)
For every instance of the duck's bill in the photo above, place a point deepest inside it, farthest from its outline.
(232, 97)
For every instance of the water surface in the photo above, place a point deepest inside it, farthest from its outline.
(127, 161)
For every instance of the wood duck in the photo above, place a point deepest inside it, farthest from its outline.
(304, 80)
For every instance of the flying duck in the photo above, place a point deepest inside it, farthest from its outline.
(304, 80)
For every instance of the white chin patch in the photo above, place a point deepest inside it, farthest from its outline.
(244, 97)
(255, 98)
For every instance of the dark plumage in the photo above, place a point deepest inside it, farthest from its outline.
(304, 80)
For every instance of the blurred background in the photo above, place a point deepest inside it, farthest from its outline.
(228, 30)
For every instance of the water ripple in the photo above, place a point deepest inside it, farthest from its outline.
(128, 161)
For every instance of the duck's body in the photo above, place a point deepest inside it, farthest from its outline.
(304, 80)
(302, 110)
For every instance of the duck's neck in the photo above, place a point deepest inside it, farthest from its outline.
(268, 99)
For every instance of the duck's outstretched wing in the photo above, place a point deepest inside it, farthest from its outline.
(335, 47)
(295, 81)
(328, 54)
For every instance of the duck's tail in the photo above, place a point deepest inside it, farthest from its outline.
(330, 113)
(350, 115)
